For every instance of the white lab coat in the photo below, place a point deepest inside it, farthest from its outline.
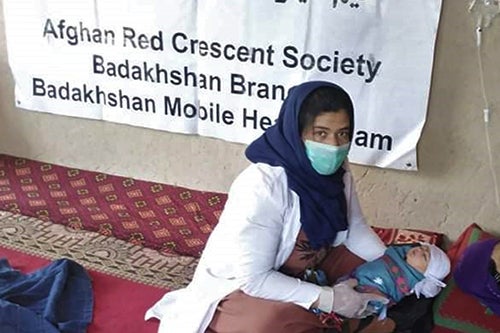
(255, 235)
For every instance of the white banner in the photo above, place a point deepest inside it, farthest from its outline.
(222, 68)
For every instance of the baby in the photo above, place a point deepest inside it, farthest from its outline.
(402, 270)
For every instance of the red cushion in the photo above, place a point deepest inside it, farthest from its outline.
(405, 236)
(471, 234)
(455, 310)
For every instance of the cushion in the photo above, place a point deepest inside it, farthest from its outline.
(455, 310)
(406, 236)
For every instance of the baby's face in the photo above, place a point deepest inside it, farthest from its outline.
(419, 257)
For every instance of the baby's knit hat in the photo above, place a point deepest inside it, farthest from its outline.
(437, 269)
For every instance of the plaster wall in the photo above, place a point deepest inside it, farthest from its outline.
(453, 187)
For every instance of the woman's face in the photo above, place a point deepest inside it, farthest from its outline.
(330, 128)
(418, 257)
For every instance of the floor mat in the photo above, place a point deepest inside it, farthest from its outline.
(167, 218)
(126, 278)
(92, 250)
(119, 304)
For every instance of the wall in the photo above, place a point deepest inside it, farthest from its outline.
(453, 188)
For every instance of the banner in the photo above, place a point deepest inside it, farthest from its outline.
(222, 68)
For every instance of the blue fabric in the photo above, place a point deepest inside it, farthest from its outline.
(390, 274)
(322, 199)
(56, 298)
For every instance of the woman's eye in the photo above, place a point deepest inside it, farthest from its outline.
(320, 134)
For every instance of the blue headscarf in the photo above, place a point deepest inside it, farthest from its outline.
(323, 211)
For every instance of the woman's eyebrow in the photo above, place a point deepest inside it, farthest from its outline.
(328, 128)
(321, 127)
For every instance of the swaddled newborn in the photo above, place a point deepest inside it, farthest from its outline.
(402, 270)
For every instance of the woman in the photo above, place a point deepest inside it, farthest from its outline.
(284, 215)
(478, 273)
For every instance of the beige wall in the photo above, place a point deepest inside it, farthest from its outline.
(453, 188)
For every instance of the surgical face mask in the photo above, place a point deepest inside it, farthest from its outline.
(326, 159)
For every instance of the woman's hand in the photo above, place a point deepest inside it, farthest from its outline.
(352, 304)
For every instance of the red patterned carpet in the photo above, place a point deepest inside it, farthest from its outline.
(167, 218)
(94, 251)
(163, 217)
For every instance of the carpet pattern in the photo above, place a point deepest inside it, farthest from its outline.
(92, 250)
(167, 218)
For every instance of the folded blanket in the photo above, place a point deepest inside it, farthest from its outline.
(53, 299)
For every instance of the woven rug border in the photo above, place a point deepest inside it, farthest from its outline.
(94, 251)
